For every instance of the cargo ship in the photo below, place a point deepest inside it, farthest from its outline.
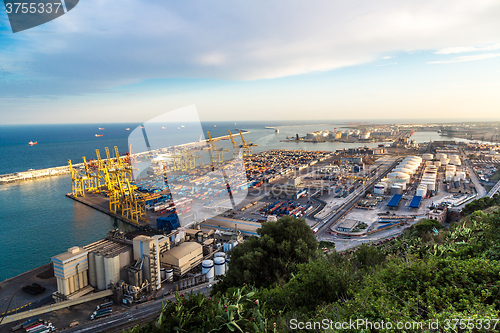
(98, 135)
(31, 143)
(101, 128)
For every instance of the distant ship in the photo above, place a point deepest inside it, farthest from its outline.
(163, 128)
(101, 128)
(277, 130)
(31, 143)
(98, 135)
(127, 129)
(183, 126)
(215, 125)
(178, 128)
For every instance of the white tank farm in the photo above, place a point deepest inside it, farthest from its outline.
(92, 270)
(219, 254)
(437, 163)
(99, 266)
(444, 161)
(220, 265)
(169, 274)
(421, 190)
(451, 168)
(207, 268)
(427, 157)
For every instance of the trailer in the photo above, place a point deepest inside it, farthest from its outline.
(104, 305)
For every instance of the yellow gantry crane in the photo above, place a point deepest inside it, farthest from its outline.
(216, 152)
(237, 148)
(78, 181)
(92, 183)
(247, 147)
(364, 179)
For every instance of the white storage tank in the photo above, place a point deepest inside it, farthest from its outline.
(427, 157)
(379, 188)
(461, 175)
(404, 170)
(396, 189)
(421, 190)
(437, 163)
(169, 274)
(220, 265)
(444, 161)
(207, 268)
(430, 186)
(227, 263)
(440, 156)
(163, 274)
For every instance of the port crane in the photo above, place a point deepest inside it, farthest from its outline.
(78, 181)
(92, 183)
(247, 148)
(237, 148)
(215, 152)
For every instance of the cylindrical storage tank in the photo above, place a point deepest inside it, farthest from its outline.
(431, 186)
(396, 189)
(219, 254)
(444, 161)
(92, 270)
(461, 175)
(379, 188)
(427, 157)
(440, 156)
(404, 170)
(112, 269)
(169, 274)
(227, 263)
(163, 274)
(220, 265)
(207, 268)
(421, 190)
(437, 163)
(99, 267)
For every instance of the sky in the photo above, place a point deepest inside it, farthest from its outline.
(132, 60)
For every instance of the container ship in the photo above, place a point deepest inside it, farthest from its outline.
(31, 143)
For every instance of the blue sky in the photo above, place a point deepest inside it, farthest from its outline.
(131, 60)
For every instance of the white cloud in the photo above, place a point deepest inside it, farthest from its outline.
(391, 63)
(466, 58)
(463, 49)
(106, 43)
(387, 57)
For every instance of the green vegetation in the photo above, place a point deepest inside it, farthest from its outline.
(428, 274)
(495, 176)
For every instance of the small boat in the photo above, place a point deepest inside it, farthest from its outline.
(98, 135)
(142, 126)
(31, 143)
(183, 126)
(215, 125)
(163, 128)
(127, 129)
(101, 128)
(178, 128)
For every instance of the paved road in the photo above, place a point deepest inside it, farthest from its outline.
(129, 318)
(359, 193)
(481, 192)
(494, 190)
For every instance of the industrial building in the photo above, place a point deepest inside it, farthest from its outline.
(347, 225)
(287, 192)
(70, 270)
(183, 257)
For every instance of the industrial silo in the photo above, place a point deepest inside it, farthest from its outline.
(220, 265)
(207, 268)
(421, 190)
(92, 270)
(99, 266)
(427, 157)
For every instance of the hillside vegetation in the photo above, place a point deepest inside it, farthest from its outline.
(437, 279)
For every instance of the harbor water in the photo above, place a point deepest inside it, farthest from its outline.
(37, 220)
